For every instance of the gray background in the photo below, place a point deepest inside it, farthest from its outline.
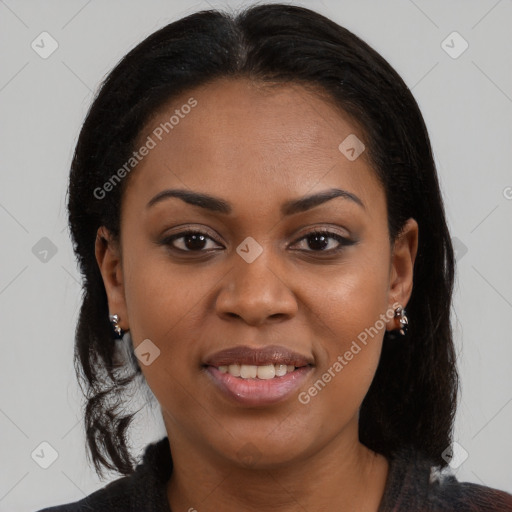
(467, 105)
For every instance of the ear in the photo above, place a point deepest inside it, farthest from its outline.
(402, 268)
(108, 257)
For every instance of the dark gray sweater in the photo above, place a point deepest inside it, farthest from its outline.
(413, 485)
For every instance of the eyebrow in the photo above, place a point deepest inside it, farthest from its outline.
(218, 205)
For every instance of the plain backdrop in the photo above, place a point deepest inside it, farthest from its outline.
(466, 100)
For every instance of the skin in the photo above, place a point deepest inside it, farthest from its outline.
(257, 147)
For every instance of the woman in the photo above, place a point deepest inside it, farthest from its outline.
(257, 216)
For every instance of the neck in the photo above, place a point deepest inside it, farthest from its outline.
(343, 476)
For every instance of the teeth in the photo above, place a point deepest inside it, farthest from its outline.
(281, 369)
(249, 371)
(266, 372)
(234, 369)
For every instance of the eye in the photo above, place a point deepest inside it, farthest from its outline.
(197, 241)
(323, 241)
(189, 241)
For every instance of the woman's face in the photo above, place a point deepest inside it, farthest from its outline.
(255, 275)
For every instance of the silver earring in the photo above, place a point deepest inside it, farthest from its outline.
(114, 319)
(404, 322)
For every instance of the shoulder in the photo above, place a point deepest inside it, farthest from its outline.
(114, 497)
(416, 484)
(447, 493)
(143, 490)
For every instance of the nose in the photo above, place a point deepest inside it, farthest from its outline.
(256, 292)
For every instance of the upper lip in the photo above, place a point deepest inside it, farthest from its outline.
(271, 354)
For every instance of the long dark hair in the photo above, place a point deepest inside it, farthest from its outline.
(412, 399)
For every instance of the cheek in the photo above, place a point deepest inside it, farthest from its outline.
(350, 314)
(161, 296)
(163, 307)
(159, 302)
(352, 299)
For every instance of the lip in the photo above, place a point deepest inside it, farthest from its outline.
(258, 392)
(271, 354)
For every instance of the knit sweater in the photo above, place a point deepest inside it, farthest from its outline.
(413, 485)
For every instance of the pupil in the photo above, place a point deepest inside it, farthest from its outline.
(323, 242)
(194, 241)
(317, 242)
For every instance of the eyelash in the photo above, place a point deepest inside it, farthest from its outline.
(344, 242)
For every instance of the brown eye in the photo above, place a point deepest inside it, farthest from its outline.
(325, 241)
(189, 241)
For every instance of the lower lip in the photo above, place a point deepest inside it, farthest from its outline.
(258, 392)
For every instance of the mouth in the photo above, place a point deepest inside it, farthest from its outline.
(257, 377)
(263, 372)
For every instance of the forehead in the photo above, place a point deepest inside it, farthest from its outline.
(249, 138)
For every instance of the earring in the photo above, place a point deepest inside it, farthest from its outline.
(404, 322)
(114, 319)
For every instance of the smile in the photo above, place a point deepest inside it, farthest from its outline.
(256, 377)
(250, 371)
(256, 392)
